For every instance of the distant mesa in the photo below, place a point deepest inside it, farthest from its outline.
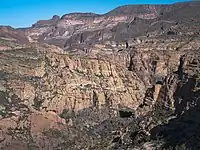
(44, 23)
(55, 17)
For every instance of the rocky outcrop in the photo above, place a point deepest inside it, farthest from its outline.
(109, 88)
(68, 82)
(30, 128)
(44, 82)
(46, 23)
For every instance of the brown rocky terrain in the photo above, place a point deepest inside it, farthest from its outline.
(120, 24)
(128, 79)
(11, 38)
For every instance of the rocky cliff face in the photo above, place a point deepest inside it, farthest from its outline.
(119, 25)
(108, 88)
(11, 38)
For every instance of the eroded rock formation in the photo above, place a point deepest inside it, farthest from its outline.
(116, 80)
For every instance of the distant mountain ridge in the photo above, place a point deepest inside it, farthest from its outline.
(126, 80)
(71, 28)
(120, 24)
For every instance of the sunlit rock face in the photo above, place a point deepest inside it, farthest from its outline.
(43, 86)
(112, 81)
(70, 82)
(120, 24)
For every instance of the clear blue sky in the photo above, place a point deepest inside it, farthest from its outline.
(23, 13)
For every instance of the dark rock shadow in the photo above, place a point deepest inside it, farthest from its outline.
(185, 128)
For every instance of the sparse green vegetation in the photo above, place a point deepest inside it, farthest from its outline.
(66, 114)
